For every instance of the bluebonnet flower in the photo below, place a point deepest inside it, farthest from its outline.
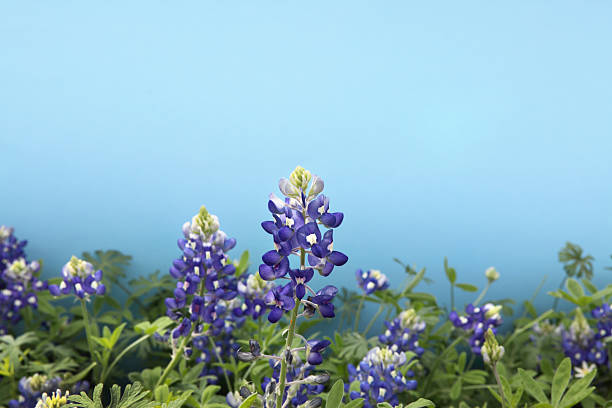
(322, 301)
(57, 399)
(280, 298)
(205, 276)
(31, 389)
(477, 321)
(296, 229)
(402, 333)
(253, 290)
(79, 277)
(301, 381)
(11, 248)
(371, 280)
(603, 314)
(18, 281)
(316, 347)
(380, 378)
(581, 344)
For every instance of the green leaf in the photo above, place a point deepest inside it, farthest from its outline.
(574, 288)
(451, 274)
(560, 381)
(334, 398)
(455, 390)
(420, 403)
(573, 395)
(243, 263)
(251, 401)
(532, 387)
(356, 403)
(467, 287)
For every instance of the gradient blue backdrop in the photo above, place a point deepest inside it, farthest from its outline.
(474, 130)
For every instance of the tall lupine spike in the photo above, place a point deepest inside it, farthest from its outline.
(18, 279)
(296, 227)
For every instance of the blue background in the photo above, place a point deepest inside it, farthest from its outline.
(474, 130)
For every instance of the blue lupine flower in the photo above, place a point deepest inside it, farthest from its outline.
(299, 278)
(371, 280)
(402, 333)
(380, 378)
(31, 389)
(280, 298)
(10, 247)
(253, 291)
(18, 280)
(79, 277)
(323, 300)
(205, 276)
(299, 393)
(295, 229)
(477, 321)
(603, 314)
(582, 345)
(316, 347)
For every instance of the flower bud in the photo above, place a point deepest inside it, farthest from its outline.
(491, 351)
(245, 356)
(245, 392)
(314, 403)
(255, 347)
(492, 274)
(320, 378)
(299, 178)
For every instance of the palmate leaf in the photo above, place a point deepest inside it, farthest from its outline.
(133, 397)
(574, 263)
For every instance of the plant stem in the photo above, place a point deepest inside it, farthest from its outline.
(499, 384)
(87, 329)
(358, 316)
(482, 294)
(282, 379)
(175, 358)
(452, 294)
(380, 310)
(106, 371)
(214, 347)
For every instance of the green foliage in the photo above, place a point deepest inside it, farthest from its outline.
(533, 371)
(574, 263)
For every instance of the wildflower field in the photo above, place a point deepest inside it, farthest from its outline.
(224, 330)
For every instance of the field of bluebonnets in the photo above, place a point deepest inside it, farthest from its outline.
(217, 331)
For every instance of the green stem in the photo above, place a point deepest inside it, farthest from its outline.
(358, 315)
(482, 294)
(380, 310)
(437, 363)
(282, 379)
(452, 294)
(499, 384)
(87, 329)
(106, 371)
(175, 358)
(227, 381)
